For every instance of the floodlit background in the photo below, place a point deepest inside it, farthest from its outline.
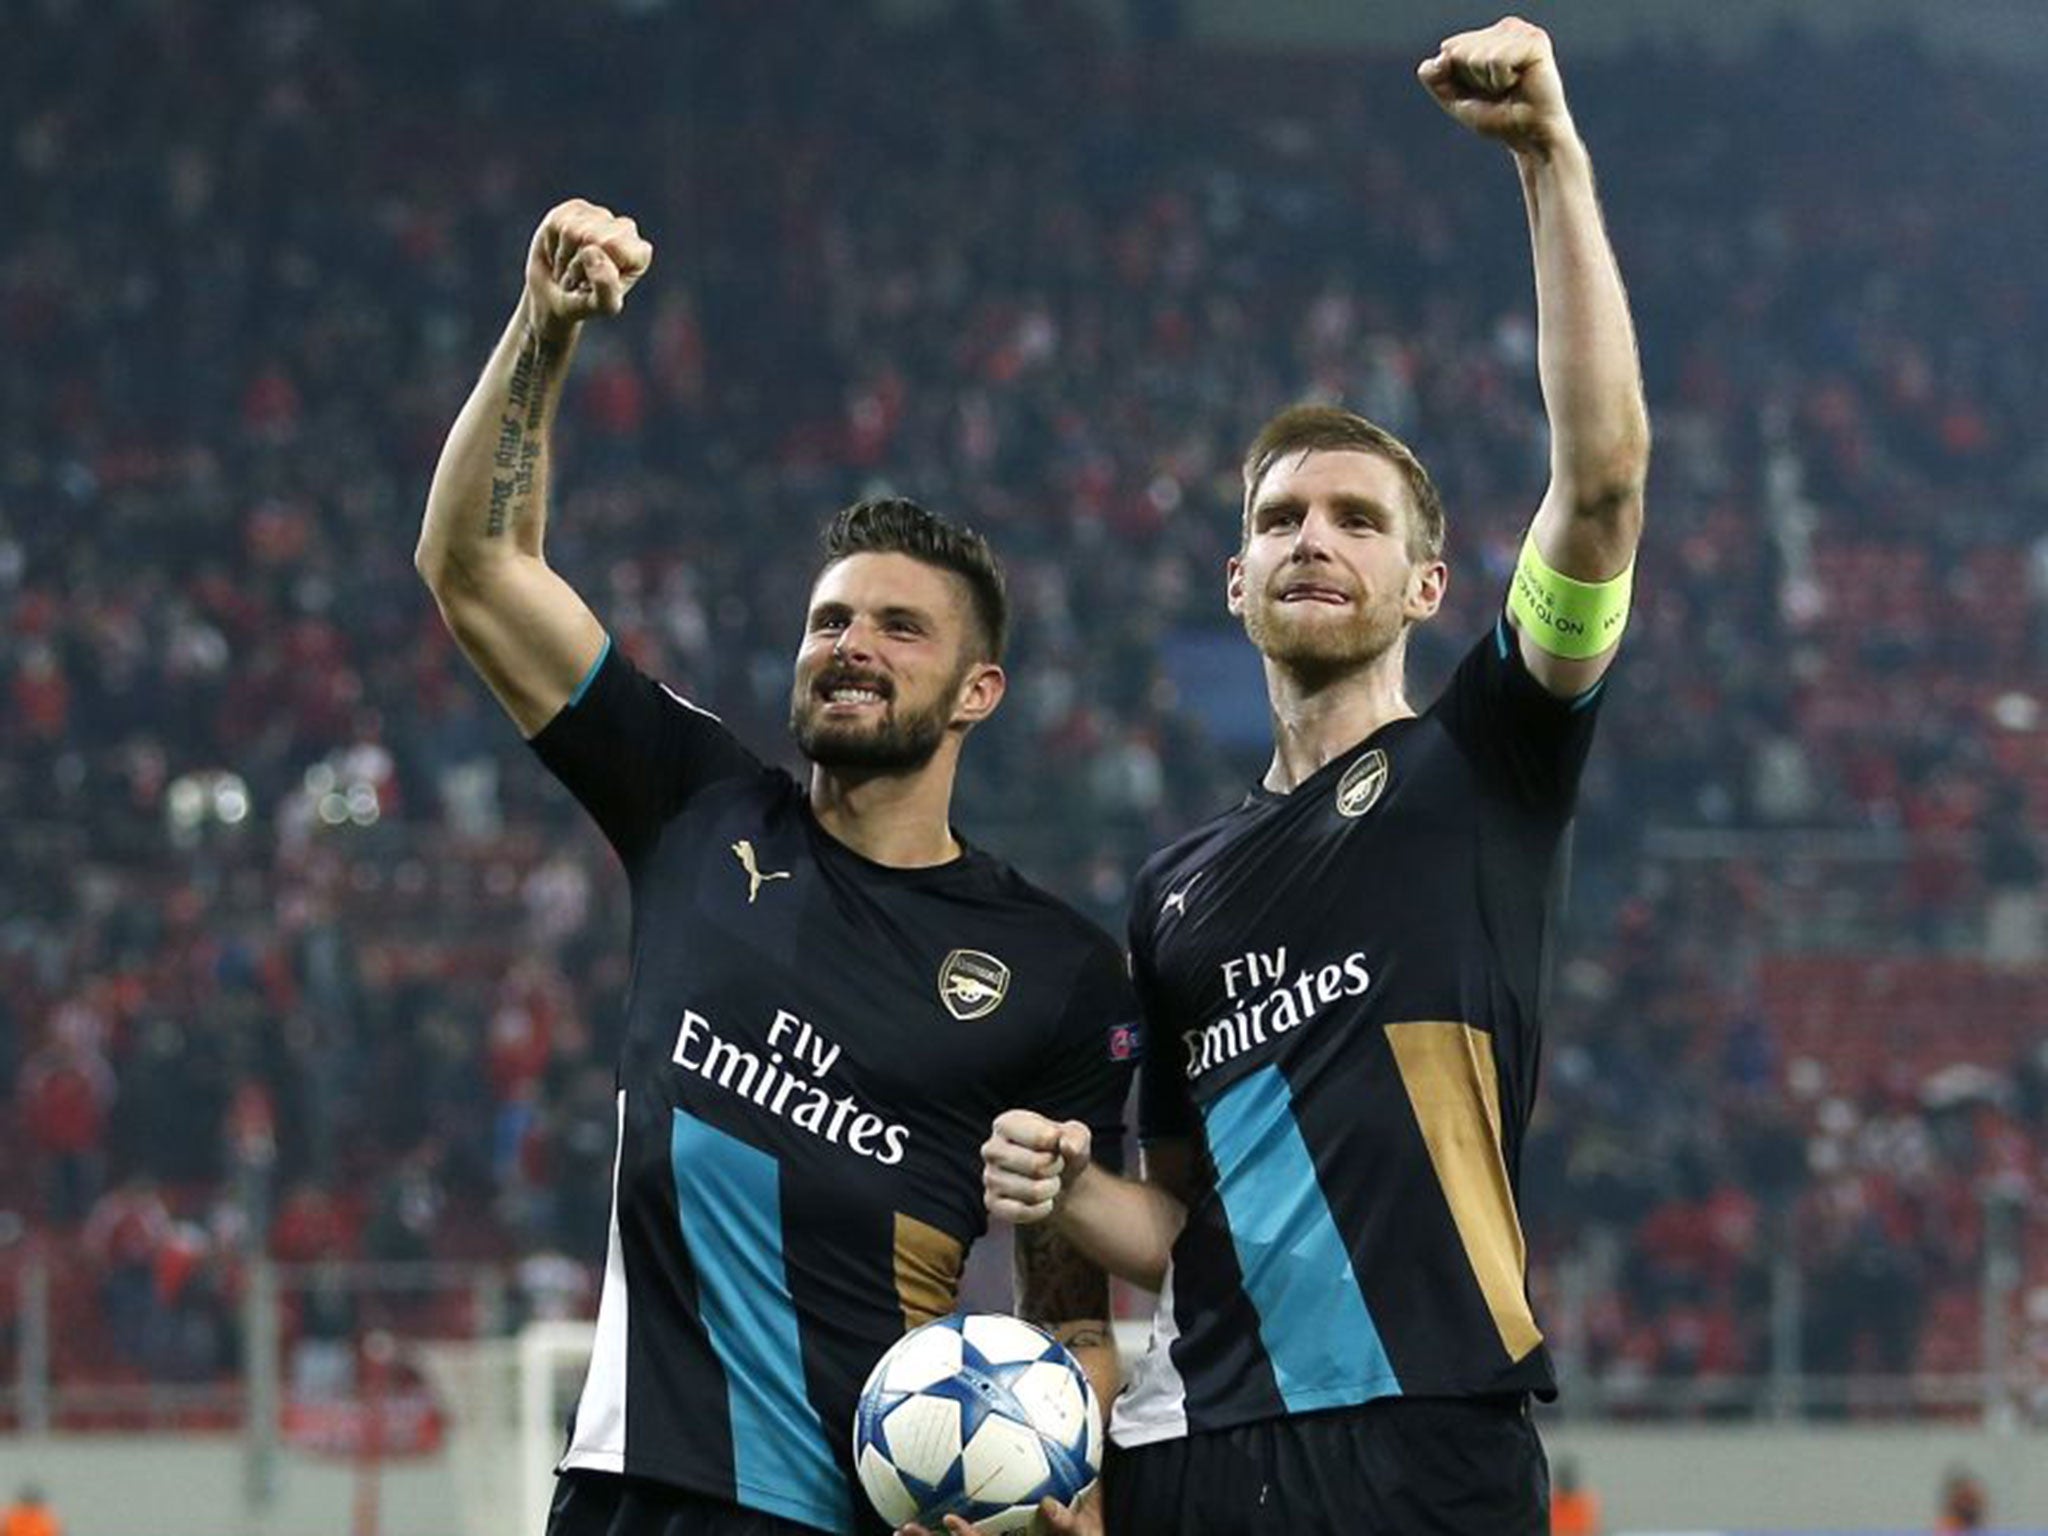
(310, 978)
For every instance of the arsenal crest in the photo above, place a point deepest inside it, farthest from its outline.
(1360, 788)
(972, 984)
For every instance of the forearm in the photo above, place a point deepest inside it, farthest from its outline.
(1064, 1291)
(1126, 1226)
(1586, 346)
(488, 501)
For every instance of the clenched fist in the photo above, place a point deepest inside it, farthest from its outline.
(1029, 1162)
(1502, 83)
(584, 260)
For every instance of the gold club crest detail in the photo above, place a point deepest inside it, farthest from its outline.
(1363, 783)
(972, 985)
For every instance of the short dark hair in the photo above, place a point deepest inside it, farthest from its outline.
(896, 525)
(1309, 428)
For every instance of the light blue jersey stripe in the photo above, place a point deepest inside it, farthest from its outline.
(590, 677)
(1324, 1347)
(730, 1198)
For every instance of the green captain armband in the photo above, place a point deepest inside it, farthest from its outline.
(1571, 619)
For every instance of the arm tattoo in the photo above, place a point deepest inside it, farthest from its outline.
(1057, 1284)
(516, 461)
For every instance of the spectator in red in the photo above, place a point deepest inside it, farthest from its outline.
(128, 1227)
(66, 1090)
(311, 1227)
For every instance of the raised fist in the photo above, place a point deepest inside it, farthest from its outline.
(1502, 83)
(1028, 1162)
(584, 260)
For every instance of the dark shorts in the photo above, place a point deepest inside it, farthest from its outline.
(604, 1504)
(1417, 1466)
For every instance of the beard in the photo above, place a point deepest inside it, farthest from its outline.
(1307, 640)
(898, 742)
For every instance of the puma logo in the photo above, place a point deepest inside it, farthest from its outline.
(1177, 901)
(743, 850)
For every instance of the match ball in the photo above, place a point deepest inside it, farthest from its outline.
(978, 1415)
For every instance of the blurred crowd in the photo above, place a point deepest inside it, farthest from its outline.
(301, 947)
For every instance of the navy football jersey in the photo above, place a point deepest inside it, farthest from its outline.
(815, 1045)
(1340, 995)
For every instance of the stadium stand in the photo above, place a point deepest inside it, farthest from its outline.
(287, 898)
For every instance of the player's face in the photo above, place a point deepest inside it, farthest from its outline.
(885, 667)
(1325, 580)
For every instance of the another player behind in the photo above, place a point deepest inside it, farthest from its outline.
(1340, 980)
(832, 991)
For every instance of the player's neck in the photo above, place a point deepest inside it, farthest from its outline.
(902, 820)
(1318, 718)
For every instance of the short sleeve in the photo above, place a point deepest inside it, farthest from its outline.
(1088, 1077)
(1522, 738)
(633, 752)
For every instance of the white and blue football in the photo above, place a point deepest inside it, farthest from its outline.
(978, 1415)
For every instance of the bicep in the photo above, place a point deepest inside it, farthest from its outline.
(531, 638)
(1589, 544)
(1562, 676)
